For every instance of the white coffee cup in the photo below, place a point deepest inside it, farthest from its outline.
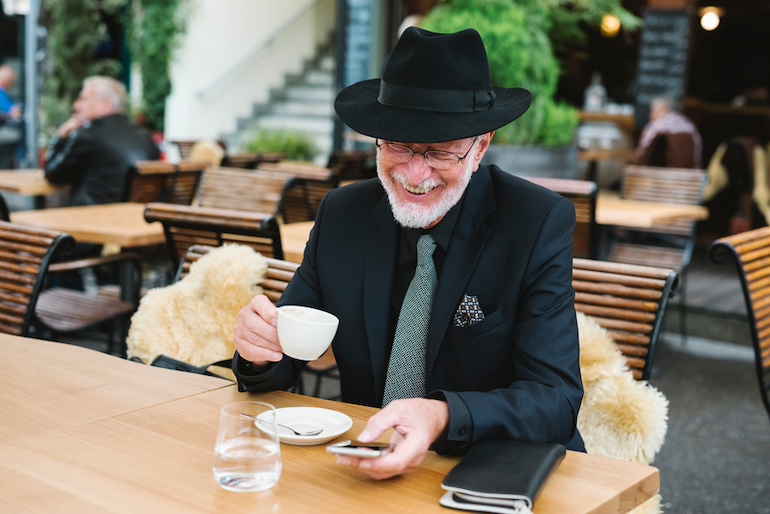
(304, 332)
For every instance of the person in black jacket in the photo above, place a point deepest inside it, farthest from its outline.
(496, 355)
(94, 150)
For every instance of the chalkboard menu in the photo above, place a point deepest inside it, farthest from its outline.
(358, 40)
(662, 58)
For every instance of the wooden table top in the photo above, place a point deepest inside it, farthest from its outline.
(122, 224)
(612, 210)
(47, 386)
(103, 434)
(28, 182)
(294, 237)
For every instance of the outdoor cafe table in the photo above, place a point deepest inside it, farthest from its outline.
(28, 182)
(612, 210)
(84, 431)
(122, 224)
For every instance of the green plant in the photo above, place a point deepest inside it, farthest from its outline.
(520, 36)
(155, 30)
(295, 146)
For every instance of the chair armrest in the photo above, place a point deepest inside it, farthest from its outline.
(90, 262)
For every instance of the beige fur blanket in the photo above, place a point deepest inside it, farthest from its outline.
(193, 319)
(620, 417)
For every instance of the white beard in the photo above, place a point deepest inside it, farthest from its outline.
(413, 215)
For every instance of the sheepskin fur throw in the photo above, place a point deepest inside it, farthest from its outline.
(620, 417)
(193, 319)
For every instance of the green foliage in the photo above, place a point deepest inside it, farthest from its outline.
(520, 36)
(75, 29)
(296, 146)
(154, 35)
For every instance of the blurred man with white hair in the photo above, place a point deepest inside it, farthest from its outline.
(95, 149)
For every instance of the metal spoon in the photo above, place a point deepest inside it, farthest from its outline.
(305, 433)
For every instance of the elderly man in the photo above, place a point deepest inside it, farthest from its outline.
(451, 280)
(95, 149)
(669, 139)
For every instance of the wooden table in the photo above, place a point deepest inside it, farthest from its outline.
(294, 237)
(612, 210)
(103, 434)
(122, 224)
(29, 182)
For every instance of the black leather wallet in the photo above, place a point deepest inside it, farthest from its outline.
(501, 476)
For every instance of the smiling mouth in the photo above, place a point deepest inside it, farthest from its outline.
(418, 190)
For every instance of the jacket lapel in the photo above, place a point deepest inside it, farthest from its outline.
(468, 240)
(379, 267)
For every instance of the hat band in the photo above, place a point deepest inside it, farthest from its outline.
(436, 100)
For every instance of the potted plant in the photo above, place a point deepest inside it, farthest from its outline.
(520, 37)
(293, 145)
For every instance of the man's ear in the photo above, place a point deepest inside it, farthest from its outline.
(481, 148)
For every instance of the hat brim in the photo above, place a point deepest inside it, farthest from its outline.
(358, 107)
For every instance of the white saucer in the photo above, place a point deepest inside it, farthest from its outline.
(308, 418)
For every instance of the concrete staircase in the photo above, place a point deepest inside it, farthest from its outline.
(303, 105)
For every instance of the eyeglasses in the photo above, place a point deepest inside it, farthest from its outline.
(438, 159)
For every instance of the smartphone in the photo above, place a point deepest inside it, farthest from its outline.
(359, 449)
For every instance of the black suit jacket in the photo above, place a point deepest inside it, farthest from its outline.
(516, 373)
(97, 159)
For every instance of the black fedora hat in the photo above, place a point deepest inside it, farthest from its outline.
(435, 87)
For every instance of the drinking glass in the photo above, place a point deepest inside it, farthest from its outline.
(247, 457)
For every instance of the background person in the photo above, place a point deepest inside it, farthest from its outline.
(669, 139)
(96, 148)
(10, 118)
(501, 356)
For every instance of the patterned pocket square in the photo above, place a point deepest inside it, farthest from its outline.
(468, 312)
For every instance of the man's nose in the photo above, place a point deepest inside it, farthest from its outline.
(418, 169)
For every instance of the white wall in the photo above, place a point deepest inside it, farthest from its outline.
(216, 75)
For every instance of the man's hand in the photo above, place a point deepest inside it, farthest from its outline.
(15, 113)
(255, 334)
(417, 423)
(69, 126)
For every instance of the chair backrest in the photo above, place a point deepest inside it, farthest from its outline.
(250, 161)
(25, 255)
(629, 301)
(277, 276)
(353, 164)
(186, 225)
(670, 150)
(301, 197)
(159, 181)
(240, 189)
(750, 251)
(297, 169)
(582, 193)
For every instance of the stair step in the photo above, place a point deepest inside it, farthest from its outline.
(309, 93)
(297, 123)
(325, 110)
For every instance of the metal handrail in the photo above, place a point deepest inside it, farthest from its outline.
(205, 91)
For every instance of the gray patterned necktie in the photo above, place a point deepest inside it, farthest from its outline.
(406, 369)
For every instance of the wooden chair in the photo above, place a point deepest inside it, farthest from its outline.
(159, 181)
(29, 257)
(750, 251)
(667, 246)
(353, 164)
(297, 169)
(250, 161)
(301, 197)
(186, 225)
(583, 194)
(629, 301)
(277, 276)
(287, 196)
(243, 190)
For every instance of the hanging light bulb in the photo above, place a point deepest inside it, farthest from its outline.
(710, 18)
(610, 25)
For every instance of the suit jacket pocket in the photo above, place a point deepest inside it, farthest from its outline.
(481, 328)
